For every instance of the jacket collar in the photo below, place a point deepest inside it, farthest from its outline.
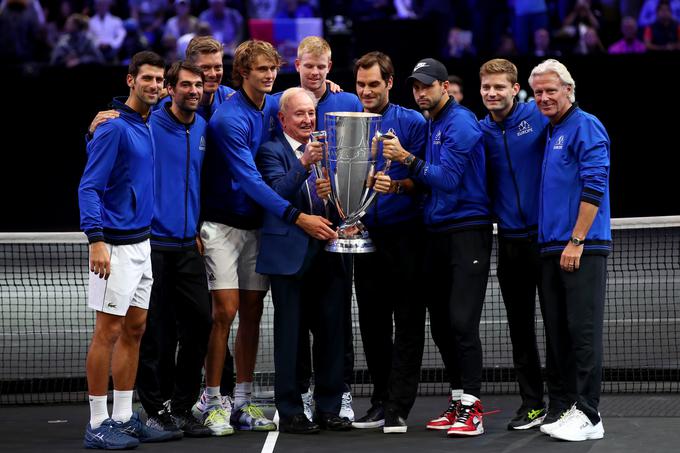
(168, 110)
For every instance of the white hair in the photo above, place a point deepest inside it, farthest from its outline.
(558, 68)
(289, 93)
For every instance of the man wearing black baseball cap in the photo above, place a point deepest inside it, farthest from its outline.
(458, 239)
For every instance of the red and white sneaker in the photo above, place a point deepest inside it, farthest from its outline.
(448, 417)
(469, 421)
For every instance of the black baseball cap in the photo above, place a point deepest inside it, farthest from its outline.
(428, 71)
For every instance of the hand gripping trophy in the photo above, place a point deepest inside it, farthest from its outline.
(350, 156)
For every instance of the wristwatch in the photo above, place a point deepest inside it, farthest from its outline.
(409, 160)
(576, 241)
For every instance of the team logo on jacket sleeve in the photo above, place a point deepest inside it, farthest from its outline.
(201, 145)
(524, 128)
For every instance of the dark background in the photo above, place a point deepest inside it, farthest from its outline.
(48, 110)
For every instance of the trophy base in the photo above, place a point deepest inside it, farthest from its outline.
(350, 245)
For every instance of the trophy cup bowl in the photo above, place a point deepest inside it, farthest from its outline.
(350, 163)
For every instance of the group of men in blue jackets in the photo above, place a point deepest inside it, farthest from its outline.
(196, 205)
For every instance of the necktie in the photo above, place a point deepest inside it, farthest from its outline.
(316, 204)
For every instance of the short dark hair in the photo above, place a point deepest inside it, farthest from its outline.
(144, 57)
(172, 74)
(383, 61)
(455, 79)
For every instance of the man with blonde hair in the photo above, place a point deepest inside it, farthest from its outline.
(234, 194)
(574, 237)
(514, 139)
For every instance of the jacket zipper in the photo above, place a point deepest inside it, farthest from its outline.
(514, 180)
(186, 184)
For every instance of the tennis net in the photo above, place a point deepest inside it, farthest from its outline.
(46, 325)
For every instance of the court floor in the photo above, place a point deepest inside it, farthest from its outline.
(633, 423)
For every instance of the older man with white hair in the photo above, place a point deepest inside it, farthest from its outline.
(575, 240)
(307, 282)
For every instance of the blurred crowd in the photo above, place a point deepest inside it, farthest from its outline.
(71, 32)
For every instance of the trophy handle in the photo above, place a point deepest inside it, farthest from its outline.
(320, 136)
(389, 135)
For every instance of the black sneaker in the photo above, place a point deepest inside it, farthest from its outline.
(374, 418)
(189, 425)
(394, 423)
(526, 418)
(162, 421)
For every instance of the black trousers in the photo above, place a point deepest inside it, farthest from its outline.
(178, 325)
(457, 270)
(310, 300)
(519, 276)
(305, 362)
(388, 283)
(574, 315)
(228, 380)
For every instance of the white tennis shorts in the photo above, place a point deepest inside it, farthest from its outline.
(129, 284)
(230, 257)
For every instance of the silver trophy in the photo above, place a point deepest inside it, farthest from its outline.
(350, 161)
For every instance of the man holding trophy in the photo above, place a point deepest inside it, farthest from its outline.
(306, 281)
(394, 221)
(459, 230)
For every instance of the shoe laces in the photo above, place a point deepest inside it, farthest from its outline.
(253, 411)
(454, 408)
(164, 417)
(216, 415)
(465, 412)
(346, 400)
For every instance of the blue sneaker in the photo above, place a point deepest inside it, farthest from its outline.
(146, 434)
(249, 417)
(107, 437)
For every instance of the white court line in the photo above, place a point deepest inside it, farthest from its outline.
(270, 441)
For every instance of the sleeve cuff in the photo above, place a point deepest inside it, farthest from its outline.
(96, 235)
(592, 196)
(416, 166)
(291, 214)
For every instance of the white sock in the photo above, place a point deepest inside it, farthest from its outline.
(212, 394)
(99, 411)
(468, 400)
(242, 393)
(122, 405)
(456, 394)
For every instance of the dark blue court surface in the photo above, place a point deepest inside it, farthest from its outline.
(633, 423)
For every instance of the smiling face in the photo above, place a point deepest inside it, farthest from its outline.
(261, 76)
(372, 90)
(313, 70)
(298, 120)
(552, 96)
(211, 65)
(145, 88)
(497, 94)
(186, 95)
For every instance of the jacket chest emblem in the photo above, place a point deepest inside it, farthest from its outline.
(201, 146)
(559, 143)
(437, 139)
(524, 128)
